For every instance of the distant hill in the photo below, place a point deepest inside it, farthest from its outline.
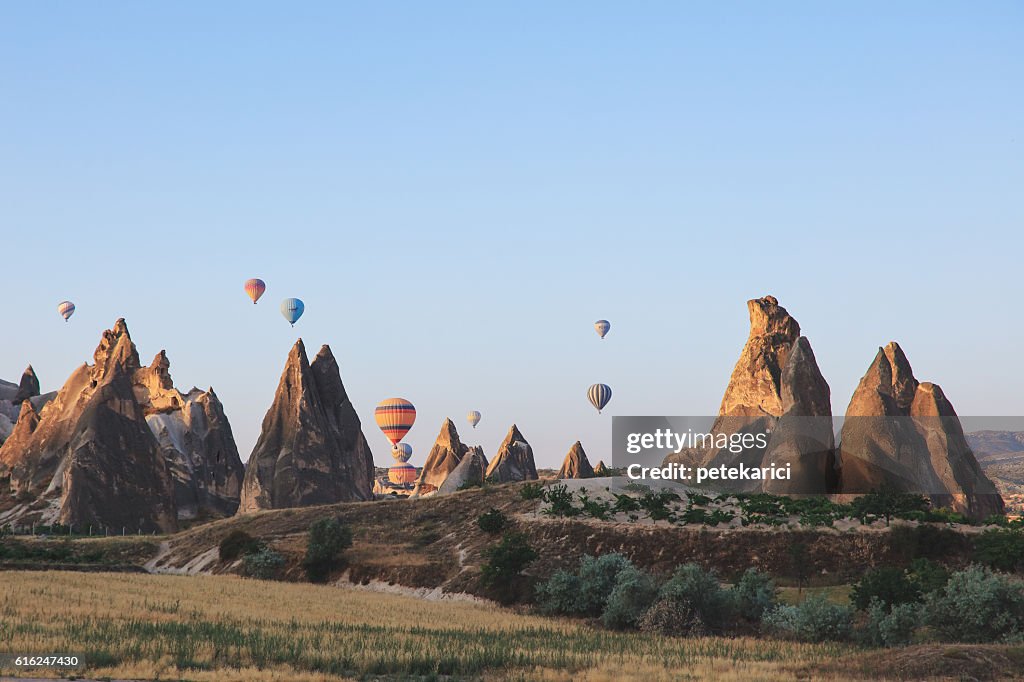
(996, 444)
(1001, 456)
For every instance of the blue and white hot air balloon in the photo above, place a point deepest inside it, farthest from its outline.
(602, 327)
(599, 395)
(66, 309)
(473, 417)
(402, 452)
(292, 309)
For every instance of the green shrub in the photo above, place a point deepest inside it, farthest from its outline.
(701, 590)
(500, 574)
(893, 626)
(492, 521)
(753, 594)
(977, 605)
(625, 503)
(560, 503)
(598, 509)
(328, 538)
(586, 592)
(887, 586)
(633, 594)
(656, 504)
(814, 620)
(559, 594)
(265, 564)
(673, 618)
(887, 503)
(927, 575)
(1001, 549)
(236, 543)
(532, 491)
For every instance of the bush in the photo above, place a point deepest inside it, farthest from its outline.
(265, 564)
(492, 521)
(633, 594)
(701, 590)
(328, 538)
(753, 594)
(236, 543)
(814, 620)
(625, 503)
(558, 594)
(977, 605)
(1001, 549)
(559, 500)
(887, 503)
(673, 618)
(886, 586)
(892, 626)
(505, 561)
(585, 593)
(532, 491)
(927, 575)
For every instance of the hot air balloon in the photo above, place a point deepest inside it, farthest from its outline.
(66, 309)
(395, 416)
(473, 418)
(602, 327)
(402, 474)
(255, 288)
(292, 309)
(599, 395)
(402, 452)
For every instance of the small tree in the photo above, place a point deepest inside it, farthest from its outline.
(265, 564)
(887, 503)
(492, 521)
(1001, 549)
(800, 564)
(887, 586)
(328, 538)
(505, 561)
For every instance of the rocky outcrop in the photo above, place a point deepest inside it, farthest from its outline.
(469, 472)
(443, 459)
(13, 395)
(600, 471)
(311, 449)
(28, 387)
(775, 379)
(903, 434)
(514, 461)
(89, 457)
(576, 464)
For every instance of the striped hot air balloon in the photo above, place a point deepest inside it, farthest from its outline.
(473, 418)
(66, 309)
(402, 452)
(602, 327)
(292, 309)
(395, 416)
(402, 473)
(255, 288)
(599, 395)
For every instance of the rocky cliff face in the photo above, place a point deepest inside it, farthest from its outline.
(469, 472)
(576, 464)
(776, 378)
(311, 449)
(514, 461)
(906, 435)
(89, 458)
(443, 459)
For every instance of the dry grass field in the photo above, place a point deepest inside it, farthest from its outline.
(225, 628)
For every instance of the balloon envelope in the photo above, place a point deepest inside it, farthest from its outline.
(599, 395)
(402, 473)
(473, 417)
(602, 327)
(66, 309)
(255, 288)
(292, 309)
(395, 416)
(402, 452)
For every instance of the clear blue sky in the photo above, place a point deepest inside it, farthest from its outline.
(458, 190)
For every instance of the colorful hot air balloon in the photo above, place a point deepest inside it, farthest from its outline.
(292, 309)
(255, 288)
(599, 395)
(402, 474)
(395, 416)
(473, 418)
(402, 452)
(66, 309)
(602, 327)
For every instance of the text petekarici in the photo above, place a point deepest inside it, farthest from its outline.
(681, 472)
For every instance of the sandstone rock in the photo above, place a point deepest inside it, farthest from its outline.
(468, 472)
(311, 449)
(514, 461)
(903, 434)
(91, 455)
(576, 464)
(600, 471)
(443, 458)
(28, 387)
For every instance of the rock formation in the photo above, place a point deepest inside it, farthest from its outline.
(311, 449)
(13, 395)
(28, 387)
(576, 464)
(903, 434)
(444, 458)
(89, 458)
(776, 376)
(514, 461)
(600, 471)
(469, 472)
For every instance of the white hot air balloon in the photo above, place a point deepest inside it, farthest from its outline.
(602, 327)
(473, 417)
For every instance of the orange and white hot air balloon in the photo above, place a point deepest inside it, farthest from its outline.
(255, 288)
(395, 416)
